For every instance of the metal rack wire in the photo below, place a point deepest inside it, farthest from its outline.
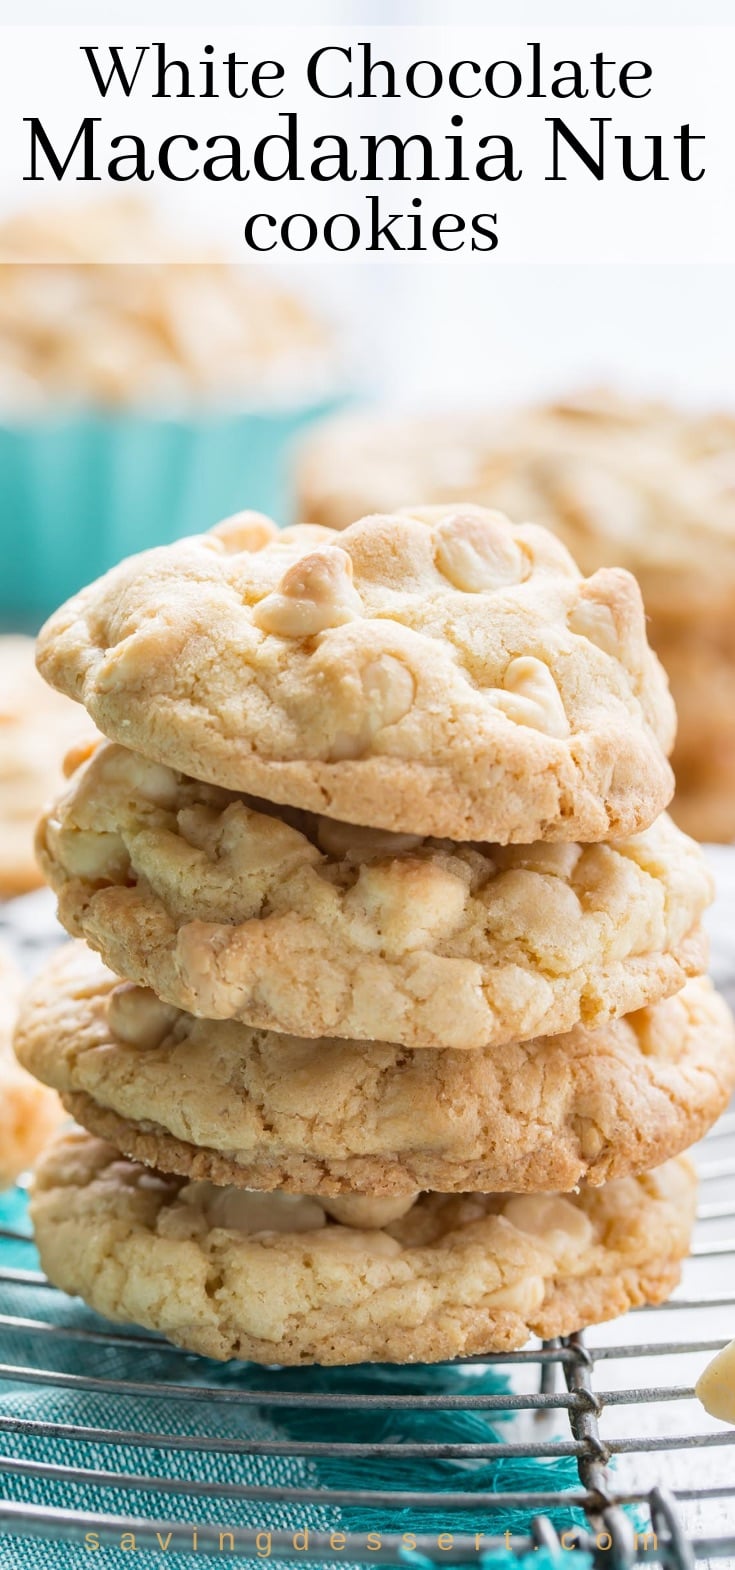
(629, 1450)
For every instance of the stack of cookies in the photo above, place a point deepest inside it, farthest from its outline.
(398, 1027)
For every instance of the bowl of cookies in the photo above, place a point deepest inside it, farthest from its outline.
(138, 397)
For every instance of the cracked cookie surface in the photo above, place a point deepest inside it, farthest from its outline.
(438, 671)
(222, 1101)
(234, 908)
(276, 1279)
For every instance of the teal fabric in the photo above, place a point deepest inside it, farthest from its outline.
(79, 491)
(162, 1417)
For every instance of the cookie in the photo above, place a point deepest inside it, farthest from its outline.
(37, 727)
(218, 1100)
(624, 482)
(29, 1112)
(232, 909)
(102, 305)
(276, 1279)
(432, 672)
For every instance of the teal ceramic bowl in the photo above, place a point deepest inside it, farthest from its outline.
(79, 491)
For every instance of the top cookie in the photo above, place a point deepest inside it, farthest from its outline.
(437, 671)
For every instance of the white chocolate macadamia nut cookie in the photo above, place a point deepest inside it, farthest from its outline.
(436, 671)
(216, 1100)
(234, 909)
(277, 1279)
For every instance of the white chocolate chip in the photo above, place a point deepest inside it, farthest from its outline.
(368, 1210)
(116, 766)
(154, 646)
(555, 860)
(715, 1388)
(524, 1298)
(477, 551)
(86, 854)
(314, 594)
(252, 1211)
(609, 612)
(389, 690)
(298, 535)
(403, 906)
(349, 1240)
(255, 1213)
(346, 744)
(244, 531)
(561, 1226)
(136, 1016)
(350, 842)
(594, 621)
(530, 696)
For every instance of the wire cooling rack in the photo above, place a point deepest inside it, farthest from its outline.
(656, 1476)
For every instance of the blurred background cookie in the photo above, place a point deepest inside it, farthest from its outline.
(29, 1112)
(640, 485)
(138, 399)
(37, 727)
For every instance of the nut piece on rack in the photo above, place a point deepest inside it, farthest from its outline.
(715, 1388)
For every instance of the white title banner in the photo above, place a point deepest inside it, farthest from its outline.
(441, 144)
